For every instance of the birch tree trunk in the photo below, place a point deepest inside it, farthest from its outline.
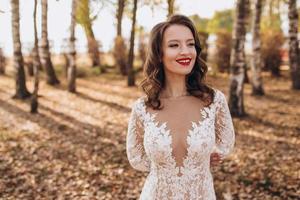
(21, 90)
(72, 54)
(131, 78)
(45, 53)
(294, 51)
(36, 65)
(256, 65)
(237, 60)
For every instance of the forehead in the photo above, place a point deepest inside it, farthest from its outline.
(177, 32)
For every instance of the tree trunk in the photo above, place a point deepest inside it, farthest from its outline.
(21, 90)
(120, 52)
(246, 77)
(237, 60)
(28, 64)
(93, 48)
(223, 50)
(83, 17)
(121, 5)
(36, 65)
(67, 64)
(256, 65)
(45, 53)
(131, 78)
(72, 54)
(170, 7)
(120, 46)
(2, 62)
(294, 51)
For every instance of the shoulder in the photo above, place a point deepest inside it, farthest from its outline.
(219, 96)
(139, 104)
(138, 101)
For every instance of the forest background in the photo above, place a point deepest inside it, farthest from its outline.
(65, 99)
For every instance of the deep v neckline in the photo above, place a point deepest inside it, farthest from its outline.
(166, 131)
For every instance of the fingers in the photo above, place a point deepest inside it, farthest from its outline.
(215, 159)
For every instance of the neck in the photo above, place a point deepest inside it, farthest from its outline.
(174, 86)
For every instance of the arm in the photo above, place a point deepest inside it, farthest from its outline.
(225, 136)
(134, 142)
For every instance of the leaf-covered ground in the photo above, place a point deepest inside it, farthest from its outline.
(75, 147)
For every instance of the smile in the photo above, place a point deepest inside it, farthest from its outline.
(184, 61)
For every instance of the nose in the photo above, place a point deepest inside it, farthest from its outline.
(184, 50)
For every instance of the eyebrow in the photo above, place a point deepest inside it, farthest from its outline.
(191, 39)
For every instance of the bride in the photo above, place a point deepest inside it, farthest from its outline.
(181, 126)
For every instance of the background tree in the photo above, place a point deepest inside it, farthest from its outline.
(294, 51)
(203, 36)
(171, 4)
(221, 25)
(84, 18)
(28, 63)
(221, 20)
(271, 51)
(119, 16)
(120, 49)
(36, 65)
(72, 51)
(45, 52)
(21, 90)
(171, 8)
(131, 78)
(237, 60)
(257, 84)
(201, 26)
(298, 20)
(2, 62)
(272, 37)
(142, 46)
(223, 50)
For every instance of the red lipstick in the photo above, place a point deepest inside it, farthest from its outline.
(184, 61)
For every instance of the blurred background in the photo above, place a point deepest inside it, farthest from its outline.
(70, 70)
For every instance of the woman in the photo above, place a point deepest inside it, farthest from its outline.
(182, 125)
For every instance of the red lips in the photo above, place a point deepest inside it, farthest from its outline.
(184, 61)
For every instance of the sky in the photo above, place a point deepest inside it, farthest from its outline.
(104, 26)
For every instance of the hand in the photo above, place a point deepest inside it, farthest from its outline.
(215, 159)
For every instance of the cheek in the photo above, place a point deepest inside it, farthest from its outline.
(194, 53)
(169, 57)
(194, 56)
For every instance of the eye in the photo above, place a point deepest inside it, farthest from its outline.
(191, 44)
(173, 45)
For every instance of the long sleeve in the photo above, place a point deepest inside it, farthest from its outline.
(134, 141)
(225, 136)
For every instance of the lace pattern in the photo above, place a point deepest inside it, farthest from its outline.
(149, 148)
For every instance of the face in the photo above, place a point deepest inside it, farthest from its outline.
(179, 52)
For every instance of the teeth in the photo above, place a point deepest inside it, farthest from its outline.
(184, 61)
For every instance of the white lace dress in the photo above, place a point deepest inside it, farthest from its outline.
(174, 145)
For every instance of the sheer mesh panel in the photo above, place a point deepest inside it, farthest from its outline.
(174, 144)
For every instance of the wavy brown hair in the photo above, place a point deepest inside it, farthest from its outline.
(154, 80)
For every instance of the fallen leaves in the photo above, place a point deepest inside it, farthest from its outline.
(75, 147)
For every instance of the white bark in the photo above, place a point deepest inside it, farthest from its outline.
(256, 65)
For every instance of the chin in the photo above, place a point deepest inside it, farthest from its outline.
(183, 72)
(177, 69)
